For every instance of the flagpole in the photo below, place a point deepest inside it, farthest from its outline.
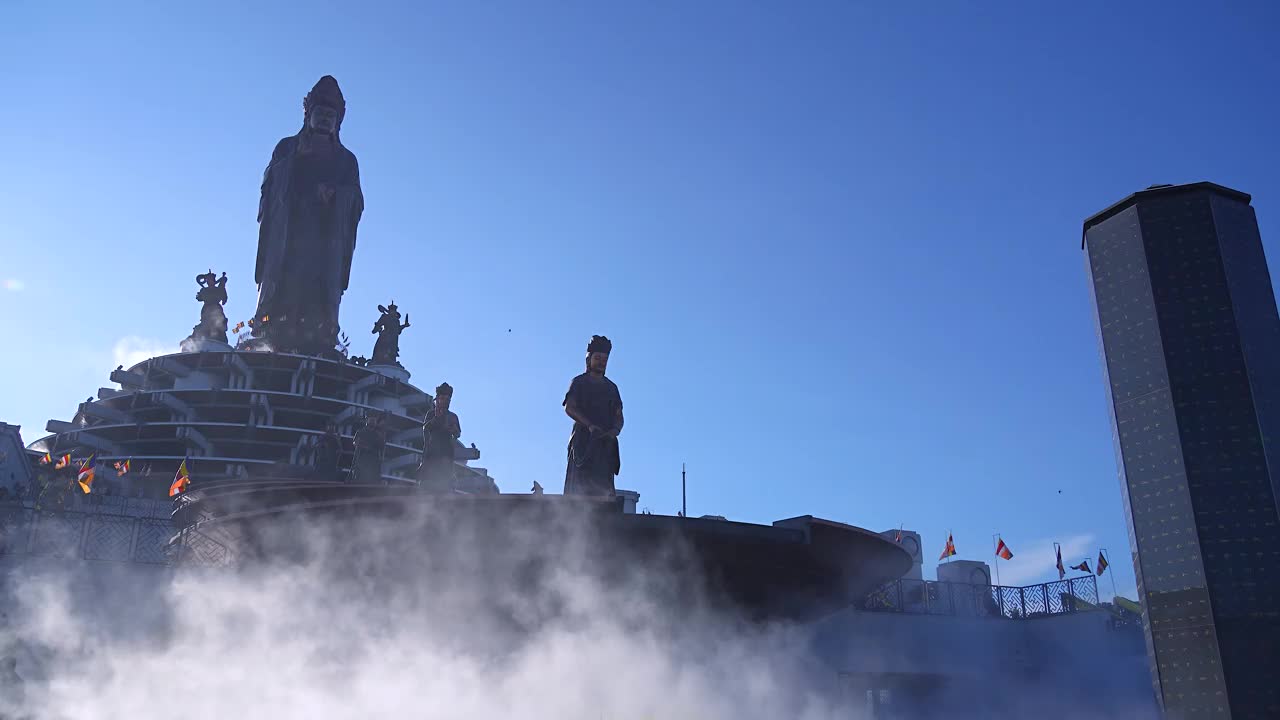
(1107, 554)
(993, 541)
(684, 503)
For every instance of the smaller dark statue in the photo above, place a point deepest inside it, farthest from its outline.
(440, 430)
(388, 328)
(213, 321)
(595, 405)
(370, 441)
(328, 452)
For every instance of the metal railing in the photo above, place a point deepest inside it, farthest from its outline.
(131, 530)
(933, 597)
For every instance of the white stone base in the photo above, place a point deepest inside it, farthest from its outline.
(391, 371)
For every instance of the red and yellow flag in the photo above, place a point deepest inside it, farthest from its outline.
(64, 461)
(181, 480)
(87, 471)
(122, 467)
(46, 459)
(1003, 551)
(1102, 563)
(950, 549)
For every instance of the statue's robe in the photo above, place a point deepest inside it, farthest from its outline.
(328, 453)
(439, 433)
(305, 245)
(366, 466)
(593, 461)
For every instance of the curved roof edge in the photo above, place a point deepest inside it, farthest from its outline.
(1156, 190)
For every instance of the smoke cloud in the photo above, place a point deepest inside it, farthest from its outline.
(435, 614)
(132, 349)
(368, 619)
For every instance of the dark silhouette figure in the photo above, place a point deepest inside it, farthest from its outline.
(328, 452)
(213, 321)
(310, 206)
(386, 350)
(370, 442)
(595, 405)
(440, 431)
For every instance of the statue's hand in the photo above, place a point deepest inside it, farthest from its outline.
(327, 192)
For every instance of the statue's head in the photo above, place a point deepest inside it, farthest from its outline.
(444, 396)
(324, 107)
(598, 354)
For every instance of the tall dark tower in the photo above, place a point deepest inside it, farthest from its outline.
(1191, 343)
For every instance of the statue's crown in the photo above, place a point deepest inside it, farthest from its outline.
(326, 92)
(600, 343)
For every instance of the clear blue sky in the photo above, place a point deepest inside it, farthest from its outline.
(837, 245)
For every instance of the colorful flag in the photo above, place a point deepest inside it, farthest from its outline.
(122, 467)
(1102, 563)
(1003, 550)
(64, 461)
(85, 478)
(950, 549)
(898, 539)
(1062, 572)
(1082, 567)
(181, 480)
(46, 459)
(239, 326)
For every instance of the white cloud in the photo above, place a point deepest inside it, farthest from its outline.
(13, 285)
(131, 350)
(1034, 562)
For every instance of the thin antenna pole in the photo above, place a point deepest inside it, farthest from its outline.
(995, 544)
(684, 499)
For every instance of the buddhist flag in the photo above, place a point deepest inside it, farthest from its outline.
(1062, 572)
(1102, 563)
(1003, 551)
(122, 467)
(898, 539)
(64, 461)
(1082, 567)
(239, 326)
(85, 478)
(181, 480)
(46, 459)
(950, 549)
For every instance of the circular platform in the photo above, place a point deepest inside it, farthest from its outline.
(797, 568)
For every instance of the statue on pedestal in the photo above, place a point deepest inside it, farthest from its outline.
(370, 442)
(440, 430)
(388, 328)
(310, 206)
(595, 405)
(328, 452)
(213, 321)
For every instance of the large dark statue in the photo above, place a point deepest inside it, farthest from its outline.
(386, 349)
(213, 321)
(310, 207)
(440, 430)
(595, 405)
